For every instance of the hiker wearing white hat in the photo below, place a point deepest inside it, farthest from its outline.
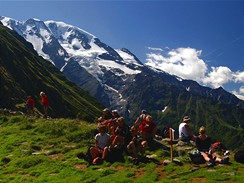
(184, 130)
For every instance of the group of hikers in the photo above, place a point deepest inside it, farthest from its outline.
(115, 137)
(205, 147)
(30, 104)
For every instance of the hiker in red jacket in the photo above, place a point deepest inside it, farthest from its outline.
(147, 128)
(44, 103)
(30, 104)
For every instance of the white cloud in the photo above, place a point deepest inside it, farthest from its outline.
(239, 77)
(240, 93)
(241, 90)
(187, 64)
(155, 49)
(218, 76)
(183, 62)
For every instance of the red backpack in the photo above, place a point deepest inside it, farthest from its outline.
(218, 146)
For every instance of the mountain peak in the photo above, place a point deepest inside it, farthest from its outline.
(33, 20)
(130, 53)
(63, 28)
(9, 22)
(128, 57)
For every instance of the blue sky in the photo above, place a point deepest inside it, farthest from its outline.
(199, 40)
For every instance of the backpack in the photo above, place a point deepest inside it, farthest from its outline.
(196, 157)
(239, 156)
(86, 156)
(218, 146)
(115, 154)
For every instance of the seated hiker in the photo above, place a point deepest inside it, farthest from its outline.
(106, 116)
(136, 146)
(184, 130)
(115, 114)
(112, 123)
(203, 144)
(118, 140)
(120, 133)
(140, 118)
(108, 119)
(147, 128)
(166, 131)
(102, 143)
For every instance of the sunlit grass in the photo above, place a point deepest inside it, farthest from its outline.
(40, 150)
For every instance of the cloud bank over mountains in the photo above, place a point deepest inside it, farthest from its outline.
(187, 64)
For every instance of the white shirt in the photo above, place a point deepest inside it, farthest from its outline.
(182, 130)
(103, 140)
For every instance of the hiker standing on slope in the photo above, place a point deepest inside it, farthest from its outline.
(30, 104)
(45, 103)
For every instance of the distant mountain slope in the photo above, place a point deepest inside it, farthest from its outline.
(224, 122)
(24, 73)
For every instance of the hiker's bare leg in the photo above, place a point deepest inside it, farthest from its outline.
(205, 156)
(105, 152)
(94, 152)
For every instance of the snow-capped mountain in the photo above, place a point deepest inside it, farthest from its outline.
(108, 74)
(65, 46)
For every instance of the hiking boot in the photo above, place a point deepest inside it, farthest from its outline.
(213, 161)
(142, 158)
(226, 153)
(135, 161)
(81, 156)
(209, 164)
(225, 160)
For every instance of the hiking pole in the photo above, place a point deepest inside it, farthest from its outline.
(171, 143)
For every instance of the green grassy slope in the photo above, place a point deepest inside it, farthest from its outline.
(39, 150)
(24, 73)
